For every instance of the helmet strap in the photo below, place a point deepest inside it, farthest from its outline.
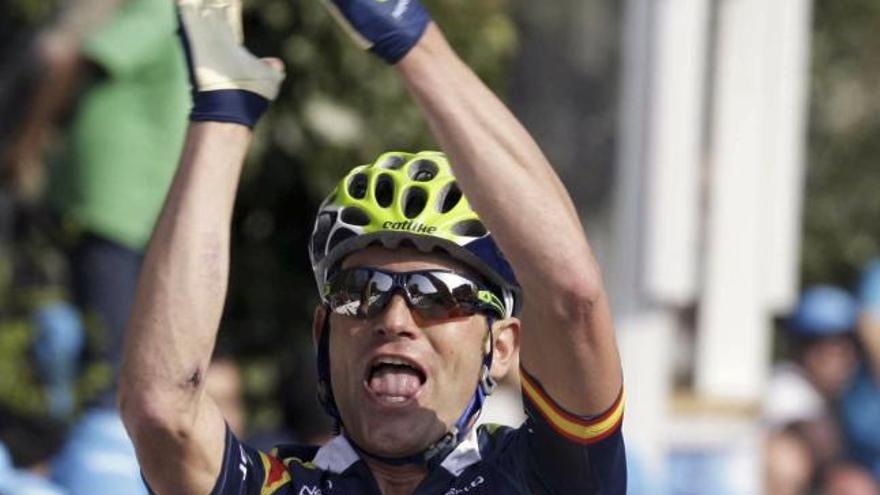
(325, 386)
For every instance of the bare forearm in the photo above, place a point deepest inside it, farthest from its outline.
(568, 339)
(183, 281)
(497, 163)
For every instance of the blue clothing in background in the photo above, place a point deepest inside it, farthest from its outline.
(99, 458)
(59, 341)
(16, 482)
(860, 419)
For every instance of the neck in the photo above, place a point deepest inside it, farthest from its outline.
(397, 480)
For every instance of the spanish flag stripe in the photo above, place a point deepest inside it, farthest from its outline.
(568, 425)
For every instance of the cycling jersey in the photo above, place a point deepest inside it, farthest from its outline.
(553, 452)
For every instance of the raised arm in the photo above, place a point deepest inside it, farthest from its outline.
(568, 337)
(177, 430)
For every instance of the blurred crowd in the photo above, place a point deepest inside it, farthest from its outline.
(76, 211)
(822, 406)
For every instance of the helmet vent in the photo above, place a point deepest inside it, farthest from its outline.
(469, 228)
(423, 171)
(339, 236)
(384, 190)
(414, 204)
(322, 231)
(357, 186)
(449, 198)
(393, 162)
(355, 216)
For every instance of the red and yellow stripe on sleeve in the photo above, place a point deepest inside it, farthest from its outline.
(276, 474)
(570, 426)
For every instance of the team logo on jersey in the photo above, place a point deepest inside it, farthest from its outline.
(276, 474)
(468, 488)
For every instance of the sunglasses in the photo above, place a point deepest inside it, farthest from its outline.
(431, 294)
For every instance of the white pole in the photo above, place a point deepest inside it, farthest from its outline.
(788, 72)
(733, 329)
(675, 150)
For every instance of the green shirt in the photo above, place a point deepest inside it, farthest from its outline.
(128, 128)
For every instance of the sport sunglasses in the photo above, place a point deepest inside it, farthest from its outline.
(432, 294)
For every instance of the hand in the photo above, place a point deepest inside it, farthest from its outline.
(229, 83)
(388, 28)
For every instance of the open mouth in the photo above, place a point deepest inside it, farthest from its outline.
(394, 380)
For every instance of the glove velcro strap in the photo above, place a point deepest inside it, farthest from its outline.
(229, 105)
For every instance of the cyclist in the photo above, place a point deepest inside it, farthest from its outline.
(419, 308)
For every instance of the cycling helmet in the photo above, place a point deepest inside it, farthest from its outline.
(413, 200)
(824, 311)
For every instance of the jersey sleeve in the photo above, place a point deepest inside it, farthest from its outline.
(564, 453)
(247, 471)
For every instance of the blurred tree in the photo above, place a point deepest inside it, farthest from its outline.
(842, 212)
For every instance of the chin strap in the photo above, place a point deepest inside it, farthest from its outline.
(435, 453)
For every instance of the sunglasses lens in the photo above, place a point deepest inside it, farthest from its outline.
(358, 292)
(442, 294)
(375, 293)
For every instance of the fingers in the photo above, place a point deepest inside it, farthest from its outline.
(218, 12)
(274, 63)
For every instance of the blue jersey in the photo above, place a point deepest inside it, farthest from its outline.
(553, 452)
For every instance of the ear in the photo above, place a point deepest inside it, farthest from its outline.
(318, 323)
(506, 354)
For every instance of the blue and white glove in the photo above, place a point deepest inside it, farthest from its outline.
(229, 83)
(388, 28)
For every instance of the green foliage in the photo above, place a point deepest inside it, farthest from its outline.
(841, 227)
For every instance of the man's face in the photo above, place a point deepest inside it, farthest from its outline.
(399, 381)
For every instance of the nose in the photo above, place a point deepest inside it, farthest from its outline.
(396, 319)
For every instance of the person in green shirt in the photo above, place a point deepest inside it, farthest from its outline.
(111, 178)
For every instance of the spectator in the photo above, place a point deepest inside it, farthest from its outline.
(848, 479)
(122, 149)
(860, 406)
(790, 464)
(821, 333)
(108, 185)
(98, 458)
(57, 346)
(31, 442)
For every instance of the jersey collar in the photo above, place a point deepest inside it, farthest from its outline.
(338, 455)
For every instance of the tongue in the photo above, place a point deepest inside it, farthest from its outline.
(395, 382)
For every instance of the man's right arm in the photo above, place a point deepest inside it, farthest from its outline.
(178, 432)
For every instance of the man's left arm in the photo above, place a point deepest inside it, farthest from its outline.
(568, 339)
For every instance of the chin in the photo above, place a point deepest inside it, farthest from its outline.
(400, 436)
